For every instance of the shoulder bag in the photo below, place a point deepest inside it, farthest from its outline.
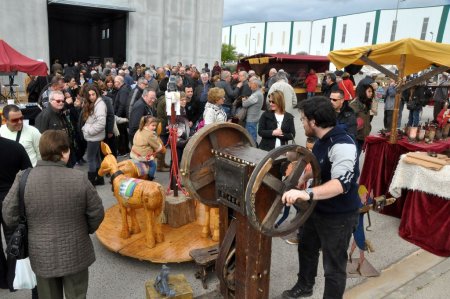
(17, 249)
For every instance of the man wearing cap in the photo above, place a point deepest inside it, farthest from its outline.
(14, 129)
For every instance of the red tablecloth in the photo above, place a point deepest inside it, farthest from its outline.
(425, 222)
(381, 159)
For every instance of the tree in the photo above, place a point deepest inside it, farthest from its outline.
(228, 53)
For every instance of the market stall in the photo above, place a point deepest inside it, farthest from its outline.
(425, 217)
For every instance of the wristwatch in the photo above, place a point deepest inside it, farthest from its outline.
(310, 193)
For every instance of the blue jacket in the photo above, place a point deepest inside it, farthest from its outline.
(336, 153)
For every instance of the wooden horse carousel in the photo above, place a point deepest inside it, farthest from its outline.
(139, 226)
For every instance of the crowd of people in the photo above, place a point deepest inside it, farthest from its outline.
(85, 104)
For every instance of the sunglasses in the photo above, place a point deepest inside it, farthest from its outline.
(58, 101)
(272, 102)
(16, 120)
(334, 100)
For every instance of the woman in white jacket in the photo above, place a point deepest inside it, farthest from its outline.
(213, 109)
(94, 119)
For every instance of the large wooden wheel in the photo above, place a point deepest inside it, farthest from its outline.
(264, 185)
(197, 164)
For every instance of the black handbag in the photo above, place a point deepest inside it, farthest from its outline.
(18, 243)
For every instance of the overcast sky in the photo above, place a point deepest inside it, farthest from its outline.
(245, 11)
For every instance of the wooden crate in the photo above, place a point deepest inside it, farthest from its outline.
(178, 283)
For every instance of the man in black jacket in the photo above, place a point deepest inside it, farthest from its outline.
(144, 106)
(346, 118)
(56, 117)
(121, 100)
(199, 99)
(120, 109)
(331, 85)
(230, 92)
(335, 216)
(14, 158)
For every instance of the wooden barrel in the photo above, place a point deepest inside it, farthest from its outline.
(197, 164)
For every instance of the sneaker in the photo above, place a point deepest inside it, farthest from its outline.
(292, 241)
(296, 292)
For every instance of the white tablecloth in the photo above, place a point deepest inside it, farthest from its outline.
(415, 177)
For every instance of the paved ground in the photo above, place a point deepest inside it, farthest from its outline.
(407, 271)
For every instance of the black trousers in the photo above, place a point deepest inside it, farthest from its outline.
(332, 235)
(387, 120)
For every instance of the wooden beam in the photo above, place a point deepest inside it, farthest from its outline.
(379, 67)
(398, 98)
(424, 77)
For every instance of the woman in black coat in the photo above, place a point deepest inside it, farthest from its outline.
(276, 126)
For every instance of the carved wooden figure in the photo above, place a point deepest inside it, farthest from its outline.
(211, 219)
(133, 169)
(132, 194)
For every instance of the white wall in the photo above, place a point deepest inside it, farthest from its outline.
(409, 23)
(301, 37)
(278, 37)
(356, 30)
(169, 31)
(446, 36)
(24, 26)
(226, 35)
(246, 43)
(317, 47)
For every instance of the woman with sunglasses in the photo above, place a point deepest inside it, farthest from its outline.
(93, 116)
(276, 126)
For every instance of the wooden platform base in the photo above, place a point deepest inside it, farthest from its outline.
(366, 270)
(178, 242)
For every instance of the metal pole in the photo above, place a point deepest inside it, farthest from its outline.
(396, 13)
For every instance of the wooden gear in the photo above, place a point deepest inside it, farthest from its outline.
(222, 166)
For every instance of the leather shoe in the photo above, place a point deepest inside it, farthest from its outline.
(296, 292)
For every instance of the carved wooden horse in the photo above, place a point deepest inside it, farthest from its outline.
(132, 194)
(133, 169)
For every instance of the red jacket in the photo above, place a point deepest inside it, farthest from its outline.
(346, 86)
(311, 82)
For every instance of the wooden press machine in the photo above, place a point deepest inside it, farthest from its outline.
(222, 167)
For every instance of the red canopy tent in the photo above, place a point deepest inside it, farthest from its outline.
(12, 61)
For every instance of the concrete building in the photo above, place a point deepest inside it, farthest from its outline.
(150, 31)
(319, 37)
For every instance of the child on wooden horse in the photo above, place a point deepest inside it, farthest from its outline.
(146, 144)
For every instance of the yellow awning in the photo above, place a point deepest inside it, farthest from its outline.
(419, 54)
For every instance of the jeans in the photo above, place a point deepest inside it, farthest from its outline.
(227, 110)
(93, 155)
(414, 117)
(310, 94)
(151, 169)
(251, 127)
(331, 233)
